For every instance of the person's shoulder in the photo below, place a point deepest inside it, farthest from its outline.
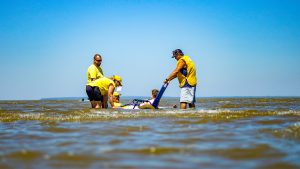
(182, 60)
(92, 66)
(186, 57)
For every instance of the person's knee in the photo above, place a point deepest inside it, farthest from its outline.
(183, 105)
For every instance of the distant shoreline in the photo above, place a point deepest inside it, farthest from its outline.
(144, 97)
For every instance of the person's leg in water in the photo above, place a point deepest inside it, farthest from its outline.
(90, 93)
(184, 97)
(192, 105)
(187, 97)
(104, 101)
(98, 98)
(183, 105)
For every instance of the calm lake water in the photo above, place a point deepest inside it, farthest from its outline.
(220, 133)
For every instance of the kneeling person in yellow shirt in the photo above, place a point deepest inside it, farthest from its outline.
(107, 87)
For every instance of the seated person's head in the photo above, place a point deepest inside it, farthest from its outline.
(154, 93)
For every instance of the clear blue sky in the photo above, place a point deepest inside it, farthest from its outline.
(240, 47)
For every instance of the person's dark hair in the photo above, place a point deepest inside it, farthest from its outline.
(177, 52)
(97, 55)
(154, 92)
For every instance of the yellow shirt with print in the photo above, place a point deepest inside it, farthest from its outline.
(103, 84)
(94, 72)
(191, 72)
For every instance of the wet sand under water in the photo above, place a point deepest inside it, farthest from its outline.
(219, 133)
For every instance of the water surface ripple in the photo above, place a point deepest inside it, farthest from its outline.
(219, 133)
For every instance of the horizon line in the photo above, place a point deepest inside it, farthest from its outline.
(79, 98)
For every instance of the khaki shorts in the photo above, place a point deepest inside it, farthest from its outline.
(188, 95)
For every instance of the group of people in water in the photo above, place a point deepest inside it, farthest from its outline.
(101, 89)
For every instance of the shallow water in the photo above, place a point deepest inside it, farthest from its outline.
(219, 133)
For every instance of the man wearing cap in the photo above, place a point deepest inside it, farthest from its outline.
(94, 72)
(185, 71)
(107, 86)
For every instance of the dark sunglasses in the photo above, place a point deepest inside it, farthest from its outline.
(98, 60)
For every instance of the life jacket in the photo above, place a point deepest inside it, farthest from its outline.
(188, 74)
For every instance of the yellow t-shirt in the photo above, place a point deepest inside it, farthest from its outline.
(191, 72)
(94, 72)
(103, 84)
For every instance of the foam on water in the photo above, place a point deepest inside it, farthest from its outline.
(94, 114)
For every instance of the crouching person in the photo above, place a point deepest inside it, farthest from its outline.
(117, 100)
(106, 87)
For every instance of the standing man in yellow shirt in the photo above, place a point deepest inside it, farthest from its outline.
(94, 72)
(185, 71)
